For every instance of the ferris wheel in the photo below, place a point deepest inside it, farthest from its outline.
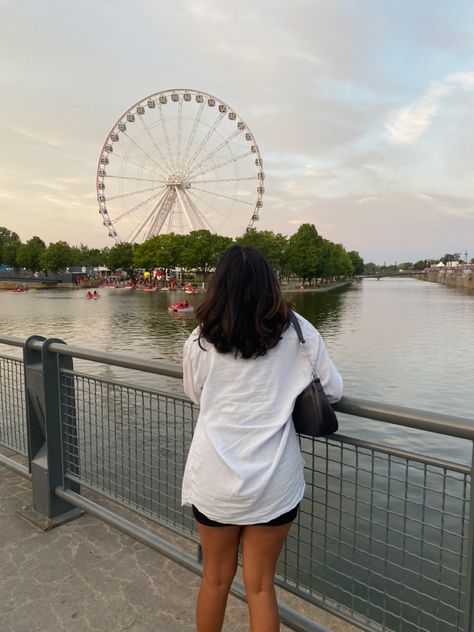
(177, 161)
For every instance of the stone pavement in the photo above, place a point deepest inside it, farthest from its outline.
(87, 577)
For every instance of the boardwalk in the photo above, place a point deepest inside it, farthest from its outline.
(86, 577)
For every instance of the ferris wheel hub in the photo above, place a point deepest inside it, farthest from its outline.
(178, 182)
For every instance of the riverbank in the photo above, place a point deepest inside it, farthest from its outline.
(460, 279)
(42, 285)
(315, 289)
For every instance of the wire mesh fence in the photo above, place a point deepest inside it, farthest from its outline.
(381, 536)
(13, 430)
(128, 443)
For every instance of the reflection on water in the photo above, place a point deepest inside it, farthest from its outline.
(400, 341)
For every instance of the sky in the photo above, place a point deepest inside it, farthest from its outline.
(362, 110)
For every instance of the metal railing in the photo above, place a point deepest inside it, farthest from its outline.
(384, 537)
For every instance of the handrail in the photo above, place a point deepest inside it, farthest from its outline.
(429, 421)
(12, 341)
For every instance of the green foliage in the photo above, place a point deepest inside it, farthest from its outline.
(89, 257)
(305, 252)
(203, 249)
(450, 257)
(29, 254)
(161, 251)
(272, 245)
(370, 268)
(120, 257)
(421, 264)
(56, 257)
(10, 251)
(9, 244)
(357, 262)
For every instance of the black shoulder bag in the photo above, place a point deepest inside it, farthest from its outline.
(313, 415)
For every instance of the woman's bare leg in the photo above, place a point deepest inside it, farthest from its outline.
(220, 547)
(261, 547)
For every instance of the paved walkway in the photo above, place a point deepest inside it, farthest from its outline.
(86, 577)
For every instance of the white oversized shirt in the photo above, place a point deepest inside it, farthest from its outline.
(244, 465)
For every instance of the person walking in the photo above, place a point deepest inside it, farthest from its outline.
(244, 478)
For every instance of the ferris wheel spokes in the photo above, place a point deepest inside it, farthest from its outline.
(211, 207)
(134, 235)
(204, 141)
(223, 164)
(166, 137)
(133, 143)
(178, 136)
(162, 213)
(135, 208)
(139, 192)
(227, 197)
(153, 140)
(211, 154)
(197, 120)
(200, 218)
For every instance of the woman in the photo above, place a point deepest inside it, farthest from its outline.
(244, 475)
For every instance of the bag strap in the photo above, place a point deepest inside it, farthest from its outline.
(299, 333)
(296, 325)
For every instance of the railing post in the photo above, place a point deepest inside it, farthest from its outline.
(469, 605)
(43, 402)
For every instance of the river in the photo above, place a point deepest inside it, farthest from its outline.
(399, 341)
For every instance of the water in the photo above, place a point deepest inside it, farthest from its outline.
(399, 341)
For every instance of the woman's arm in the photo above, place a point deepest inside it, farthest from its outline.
(190, 385)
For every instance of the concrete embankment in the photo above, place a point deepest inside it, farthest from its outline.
(461, 279)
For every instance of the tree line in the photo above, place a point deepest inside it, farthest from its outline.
(421, 264)
(305, 254)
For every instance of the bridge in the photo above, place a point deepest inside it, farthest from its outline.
(398, 273)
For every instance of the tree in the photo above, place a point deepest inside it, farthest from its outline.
(337, 260)
(120, 257)
(272, 246)
(29, 254)
(56, 257)
(202, 249)
(7, 237)
(305, 252)
(161, 251)
(357, 262)
(421, 264)
(85, 256)
(371, 268)
(10, 252)
(450, 257)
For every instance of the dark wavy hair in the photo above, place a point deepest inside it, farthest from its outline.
(243, 310)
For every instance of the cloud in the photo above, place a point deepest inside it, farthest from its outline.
(33, 135)
(48, 184)
(407, 124)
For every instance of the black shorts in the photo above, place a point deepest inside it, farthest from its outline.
(285, 518)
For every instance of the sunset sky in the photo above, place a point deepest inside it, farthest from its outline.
(362, 110)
